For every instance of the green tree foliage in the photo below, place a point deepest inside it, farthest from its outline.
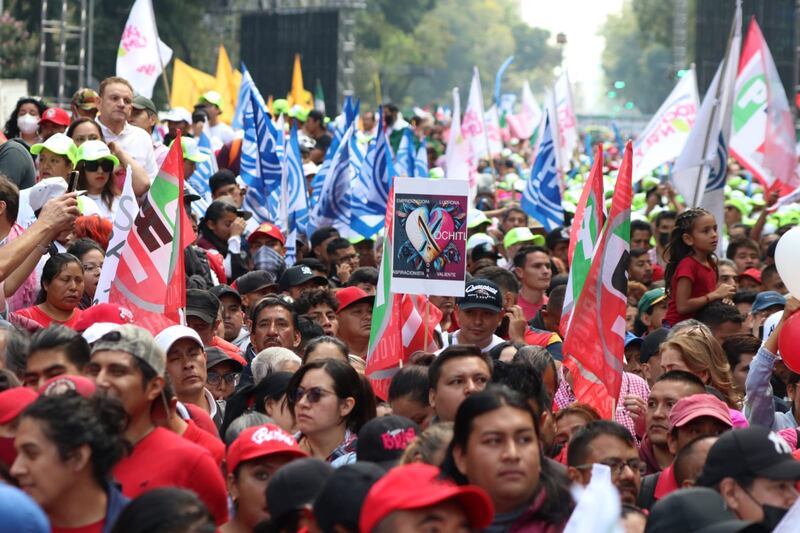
(18, 52)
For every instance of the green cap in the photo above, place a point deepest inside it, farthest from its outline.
(213, 98)
(522, 235)
(738, 203)
(280, 106)
(190, 150)
(651, 298)
(94, 151)
(476, 217)
(436, 173)
(59, 144)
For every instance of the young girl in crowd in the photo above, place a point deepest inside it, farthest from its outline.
(691, 273)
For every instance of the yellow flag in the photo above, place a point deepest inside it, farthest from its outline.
(226, 85)
(298, 95)
(188, 84)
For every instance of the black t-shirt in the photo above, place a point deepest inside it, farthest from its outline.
(16, 163)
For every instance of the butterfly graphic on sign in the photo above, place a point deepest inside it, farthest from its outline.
(430, 235)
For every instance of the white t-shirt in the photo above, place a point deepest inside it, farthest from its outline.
(137, 142)
(222, 132)
(102, 208)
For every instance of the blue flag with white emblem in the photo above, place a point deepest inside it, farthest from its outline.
(294, 198)
(197, 183)
(333, 206)
(261, 160)
(541, 198)
(371, 187)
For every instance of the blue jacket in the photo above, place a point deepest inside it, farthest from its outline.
(116, 503)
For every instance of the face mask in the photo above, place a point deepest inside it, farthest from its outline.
(7, 451)
(663, 239)
(27, 124)
(772, 516)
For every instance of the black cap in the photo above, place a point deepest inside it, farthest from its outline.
(319, 236)
(693, 510)
(253, 281)
(342, 496)
(202, 304)
(296, 485)
(215, 356)
(225, 290)
(555, 236)
(481, 294)
(652, 343)
(188, 197)
(749, 452)
(383, 440)
(297, 275)
(224, 205)
(482, 250)
(223, 177)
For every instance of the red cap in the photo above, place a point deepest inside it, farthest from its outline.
(14, 401)
(352, 295)
(65, 383)
(260, 441)
(270, 230)
(56, 115)
(111, 313)
(698, 405)
(416, 486)
(753, 273)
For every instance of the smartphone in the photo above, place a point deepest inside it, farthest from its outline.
(72, 183)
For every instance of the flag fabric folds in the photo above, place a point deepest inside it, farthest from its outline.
(404, 158)
(197, 183)
(227, 85)
(541, 198)
(567, 123)
(594, 343)
(188, 84)
(523, 124)
(333, 206)
(126, 211)
(294, 198)
(141, 54)
(371, 187)
(459, 157)
(261, 161)
(299, 96)
(245, 87)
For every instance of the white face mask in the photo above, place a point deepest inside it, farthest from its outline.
(28, 124)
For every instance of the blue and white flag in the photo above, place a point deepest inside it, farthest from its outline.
(294, 198)
(371, 187)
(338, 128)
(404, 159)
(421, 160)
(244, 96)
(541, 198)
(197, 183)
(261, 160)
(333, 207)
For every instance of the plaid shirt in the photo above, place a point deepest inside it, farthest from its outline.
(632, 385)
(344, 454)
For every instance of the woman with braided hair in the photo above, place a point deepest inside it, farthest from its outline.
(691, 274)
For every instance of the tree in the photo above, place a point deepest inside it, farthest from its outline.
(18, 53)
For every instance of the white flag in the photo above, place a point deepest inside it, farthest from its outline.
(700, 176)
(567, 123)
(459, 158)
(127, 210)
(139, 49)
(473, 125)
(493, 134)
(524, 123)
(665, 136)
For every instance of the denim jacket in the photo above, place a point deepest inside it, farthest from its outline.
(759, 404)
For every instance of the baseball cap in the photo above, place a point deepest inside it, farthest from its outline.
(20, 512)
(343, 494)
(630, 338)
(557, 235)
(765, 300)
(694, 510)
(142, 102)
(297, 275)
(202, 304)
(222, 205)
(651, 298)
(310, 168)
(696, 406)
(753, 273)
(652, 343)
(136, 341)
(86, 98)
(60, 144)
(480, 239)
(106, 313)
(173, 334)
(178, 114)
(213, 98)
(253, 281)
(382, 440)
(351, 296)
(270, 230)
(280, 105)
(13, 401)
(190, 150)
(93, 151)
(476, 217)
(215, 356)
(481, 294)
(322, 234)
(521, 235)
(62, 384)
(261, 441)
(55, 115)
(749, 452)
(46, 190)
(225, 290)
(296, 485)
(416, 486)
(189, 197)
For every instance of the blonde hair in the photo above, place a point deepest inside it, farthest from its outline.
(702, 353)
(423, 448)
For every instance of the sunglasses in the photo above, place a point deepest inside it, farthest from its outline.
(106, 164)
(313, 394)
(215, 379)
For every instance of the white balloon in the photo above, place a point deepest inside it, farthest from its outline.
(787, 260)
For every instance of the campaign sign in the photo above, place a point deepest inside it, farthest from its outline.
(429, 238)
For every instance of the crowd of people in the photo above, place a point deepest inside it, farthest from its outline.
(256, 415)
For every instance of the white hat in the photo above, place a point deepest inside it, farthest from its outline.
(770, 323)
(173, 334)
(58, 143)
(178, 114)
(46, 190)
(97, 330)
(310, 168)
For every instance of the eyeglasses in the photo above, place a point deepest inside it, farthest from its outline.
(106, 164)
(314, 394)
(231, 378)
(92, 267)
(618, 465)
(349, 258)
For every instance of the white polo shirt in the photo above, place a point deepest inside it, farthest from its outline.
(137, 142)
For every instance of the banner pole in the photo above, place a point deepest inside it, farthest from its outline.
(425, 319)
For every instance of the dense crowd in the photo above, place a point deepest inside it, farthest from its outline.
(256, 414)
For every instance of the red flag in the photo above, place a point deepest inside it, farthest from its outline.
(150, 278)
(594, 344)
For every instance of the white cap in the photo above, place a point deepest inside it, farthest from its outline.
(172, 334)
(770, 323)
(178, 114)
(46, 190)
(310, 168)
(97, 330)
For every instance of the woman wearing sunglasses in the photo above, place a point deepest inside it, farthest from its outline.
(95, 164)
(330, 403)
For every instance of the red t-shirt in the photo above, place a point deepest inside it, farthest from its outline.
(205, 440)
(97, 527)
(164, 459)
(202, 419)
(36, 314)
(530, 309)
(704, 281)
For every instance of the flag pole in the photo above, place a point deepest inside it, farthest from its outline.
(158, 53)
(715, 107)
(483, 124)
(425, 320)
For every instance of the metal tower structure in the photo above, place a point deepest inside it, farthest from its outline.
(63, 30)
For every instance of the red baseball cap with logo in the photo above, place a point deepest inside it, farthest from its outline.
(417, 486)
(260, 441)
(110, 313)
(753, 273)
(270, 230)
(352, 295)
(64, 383)
(56, 115)
(13, 401)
